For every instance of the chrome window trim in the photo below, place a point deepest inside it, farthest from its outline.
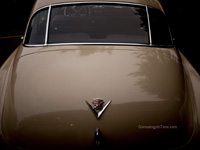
(47, 26)
(93, 43)
(34, 45)
(64, 44)
(149, 25)
(113, 44)
(71, 3)
(98, 2)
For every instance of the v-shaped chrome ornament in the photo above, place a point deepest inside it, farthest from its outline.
(98, 114)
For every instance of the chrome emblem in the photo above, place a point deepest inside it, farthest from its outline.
(98, 108)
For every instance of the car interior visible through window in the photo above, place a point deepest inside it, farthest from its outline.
(98, 23)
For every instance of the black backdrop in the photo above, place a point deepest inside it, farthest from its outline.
(182, 17)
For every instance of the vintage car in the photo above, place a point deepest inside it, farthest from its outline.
(98, 75)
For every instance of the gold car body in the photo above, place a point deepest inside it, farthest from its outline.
(153, 3)
(154, 94)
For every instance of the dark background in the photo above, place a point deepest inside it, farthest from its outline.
(182, 17)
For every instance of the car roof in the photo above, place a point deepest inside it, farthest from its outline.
(43, 3)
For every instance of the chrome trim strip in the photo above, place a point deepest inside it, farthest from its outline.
(63, 44)
(35, 45)
(99, 44)
(47, 26)
(99, 2)
(149, 25)
(127, 44)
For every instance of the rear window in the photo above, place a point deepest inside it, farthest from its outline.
(160, 32)
(37, 28)
(97, 23)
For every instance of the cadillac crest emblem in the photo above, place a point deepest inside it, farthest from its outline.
(98, 103)
(98, 108)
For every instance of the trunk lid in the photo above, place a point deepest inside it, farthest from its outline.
(46, 104)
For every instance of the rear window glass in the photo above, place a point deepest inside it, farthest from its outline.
(37, 28)
(98, 23)
(110, 23)
(160, 32)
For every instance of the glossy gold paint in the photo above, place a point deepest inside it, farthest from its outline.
(154, 92)
(46, 105)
